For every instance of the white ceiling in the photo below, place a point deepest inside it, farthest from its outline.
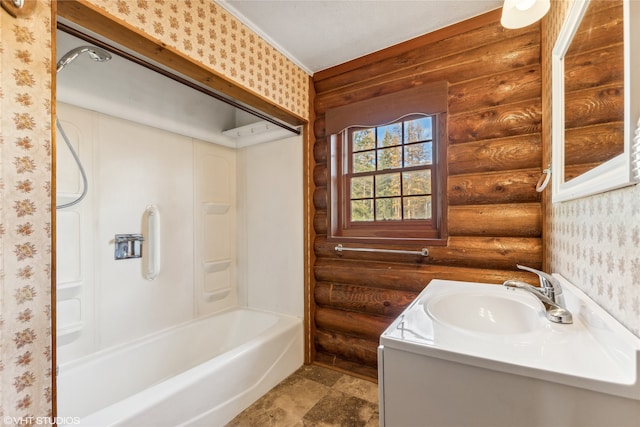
(318, 34)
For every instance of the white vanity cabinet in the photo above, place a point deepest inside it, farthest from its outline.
(585, 374)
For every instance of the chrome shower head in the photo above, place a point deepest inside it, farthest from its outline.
(94, 52)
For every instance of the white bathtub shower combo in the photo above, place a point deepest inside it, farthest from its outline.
(201, 373)
(208, 317)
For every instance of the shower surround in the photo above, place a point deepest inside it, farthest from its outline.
(226, 240)
(30, 277)
(104, 302)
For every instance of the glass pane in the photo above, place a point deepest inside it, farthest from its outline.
(364, 162)
(388, 209)
(417, 207)
(362, 187)
(363, 140)
(418, 130)
(388, 185)
(390, 135)
(418, 154)
(362, 210)
(390, 158)
(416, 182)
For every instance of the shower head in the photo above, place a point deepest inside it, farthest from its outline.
(95, 53)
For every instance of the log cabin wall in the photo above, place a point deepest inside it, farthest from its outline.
(494, 161)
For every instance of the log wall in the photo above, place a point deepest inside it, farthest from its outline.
(494, 161)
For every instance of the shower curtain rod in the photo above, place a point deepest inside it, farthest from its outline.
(90, 39)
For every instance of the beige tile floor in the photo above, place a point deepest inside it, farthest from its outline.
(314, 396)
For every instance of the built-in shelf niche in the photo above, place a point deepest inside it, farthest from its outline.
(217, 282)
(217, 295)
(214, 208)
(216, 266)
(215, 229)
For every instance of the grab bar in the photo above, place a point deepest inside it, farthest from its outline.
(153, 239)
(424, 252)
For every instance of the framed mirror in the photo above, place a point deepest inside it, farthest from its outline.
(595, 98)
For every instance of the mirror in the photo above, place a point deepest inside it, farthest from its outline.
(593, 110)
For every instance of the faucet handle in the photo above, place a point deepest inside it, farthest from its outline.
(547, 281)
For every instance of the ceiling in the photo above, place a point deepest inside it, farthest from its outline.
(318, 34)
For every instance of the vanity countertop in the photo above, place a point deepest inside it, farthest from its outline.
(595, 352)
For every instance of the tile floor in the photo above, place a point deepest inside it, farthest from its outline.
(314, 396)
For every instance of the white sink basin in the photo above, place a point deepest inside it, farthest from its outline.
(484, 355)
(488, 313)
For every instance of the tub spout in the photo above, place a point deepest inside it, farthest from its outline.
(554, 311)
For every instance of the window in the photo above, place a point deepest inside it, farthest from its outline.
(387, 178)
(390, 172)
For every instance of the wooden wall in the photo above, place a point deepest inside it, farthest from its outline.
(494, 162)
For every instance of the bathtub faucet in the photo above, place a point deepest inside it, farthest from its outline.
(549, 293)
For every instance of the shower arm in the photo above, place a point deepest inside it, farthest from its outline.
(97, 54)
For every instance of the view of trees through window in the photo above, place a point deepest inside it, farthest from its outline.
(390, 171)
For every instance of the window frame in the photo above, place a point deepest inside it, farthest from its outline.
(348, 156)
(426, 99)
(341, 229)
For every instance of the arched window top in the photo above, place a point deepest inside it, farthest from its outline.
(426, 99)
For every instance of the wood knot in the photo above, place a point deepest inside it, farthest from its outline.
(614, 91)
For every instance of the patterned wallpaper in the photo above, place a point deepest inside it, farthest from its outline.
(25, 216)
(198, 28)
(594, 242)
(209, 34)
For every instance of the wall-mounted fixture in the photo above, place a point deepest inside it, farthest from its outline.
(128, 246)
(544, 180)
(151, 219)
(257, 133)
(19, 8)
(520, 13)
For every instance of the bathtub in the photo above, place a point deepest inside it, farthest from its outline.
(201, 373)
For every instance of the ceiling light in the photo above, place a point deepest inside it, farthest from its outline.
(520, 13)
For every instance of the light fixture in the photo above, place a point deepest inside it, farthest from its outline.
(520, 13)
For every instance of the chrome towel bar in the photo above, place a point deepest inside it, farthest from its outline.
(424, 252)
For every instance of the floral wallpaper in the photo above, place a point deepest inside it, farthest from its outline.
(25, 217)
(209, 34)
(594, 242)
(200, 29)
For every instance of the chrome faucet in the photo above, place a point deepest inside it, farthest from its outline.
(549, 293)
